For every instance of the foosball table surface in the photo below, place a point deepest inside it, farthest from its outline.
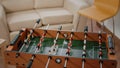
(76, 51)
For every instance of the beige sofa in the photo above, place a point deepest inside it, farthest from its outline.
(17, 14)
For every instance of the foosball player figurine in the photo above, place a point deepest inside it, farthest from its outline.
(27, 39)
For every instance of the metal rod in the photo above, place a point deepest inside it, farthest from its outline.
(100, 48)
(38, 21)
(84, 46)
(41, 39)
(60, 27)
(36, 50)
(47, 27)
(47, 63)
(57, 36)
(66, 60)
(35, 26)
(30, 34)
(52, 48)
(68, 49)
(21, 48)
(55, 46)
(100, 64)
(83, 64)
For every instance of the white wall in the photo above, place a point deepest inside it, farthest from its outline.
(109, 24)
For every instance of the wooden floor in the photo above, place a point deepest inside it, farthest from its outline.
(96, 28)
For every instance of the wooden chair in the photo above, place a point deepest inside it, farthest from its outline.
(101, 10)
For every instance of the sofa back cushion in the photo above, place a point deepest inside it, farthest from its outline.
(17, 5)
(48, 3)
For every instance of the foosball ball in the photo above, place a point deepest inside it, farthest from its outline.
(43, 48)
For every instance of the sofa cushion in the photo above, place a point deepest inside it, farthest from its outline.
(13, 34)
(24, 19)
(17, 5)
(55, 16)
(48, 3)
(66, 27)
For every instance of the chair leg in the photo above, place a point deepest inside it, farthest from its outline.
(77, 24)
(91, 25)
(113, 31)
(102, 27)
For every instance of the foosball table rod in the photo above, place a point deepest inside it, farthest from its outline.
(100, 49)
(68, 49)
(84, 46)
(42, 38)
(29, 35)
(53, 48)
(37, 48)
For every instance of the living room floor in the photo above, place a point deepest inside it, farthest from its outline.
(96, 28)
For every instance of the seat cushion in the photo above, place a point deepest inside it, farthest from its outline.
(23, 19)
(17, 5)
(66, 27)
(55, 16)
(48, 3)
(95, 14)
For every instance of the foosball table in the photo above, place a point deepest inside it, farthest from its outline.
(42, 48)
(69, 49)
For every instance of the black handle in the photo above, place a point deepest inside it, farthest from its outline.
(16, 38)
(38, 21)
(30, 63)
(86, 28)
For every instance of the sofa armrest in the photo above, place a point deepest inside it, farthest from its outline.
(74, 6)
(4, 31)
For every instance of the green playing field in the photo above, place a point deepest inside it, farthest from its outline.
(76, 49)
